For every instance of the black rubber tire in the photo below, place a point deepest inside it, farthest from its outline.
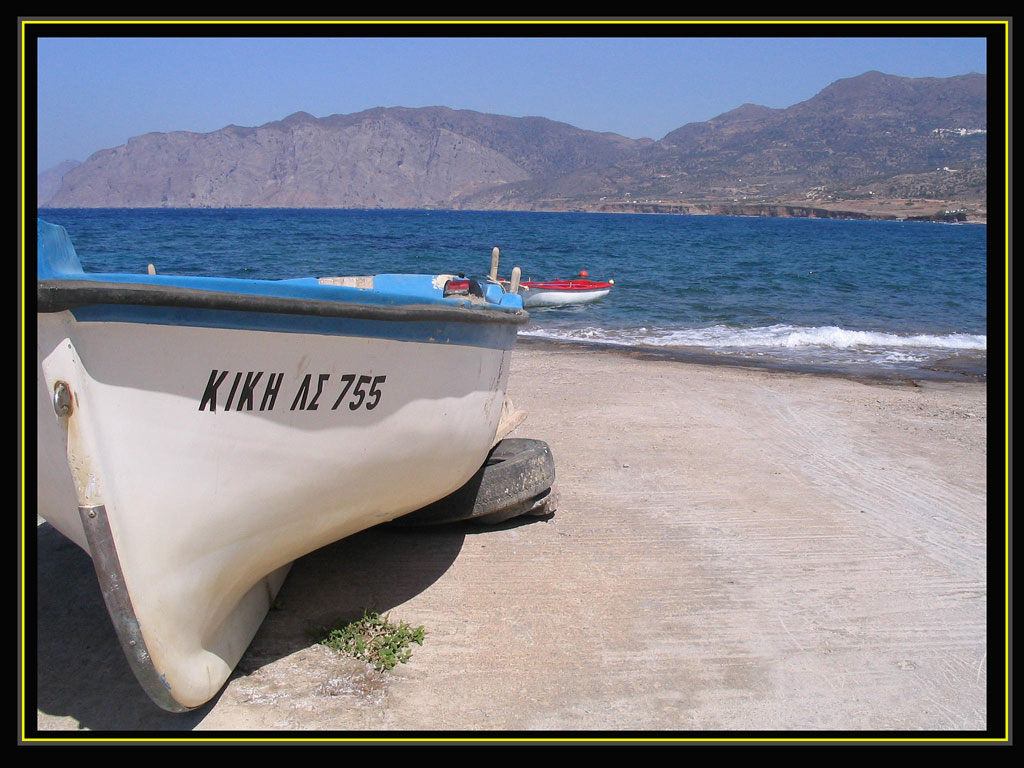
(544, 503)
(517, 472)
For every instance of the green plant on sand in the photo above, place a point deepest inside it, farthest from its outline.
(376, 640)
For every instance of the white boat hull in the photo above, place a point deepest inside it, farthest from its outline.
(196, 463)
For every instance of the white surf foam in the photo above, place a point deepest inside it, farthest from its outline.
(774, 336)
(822, 343)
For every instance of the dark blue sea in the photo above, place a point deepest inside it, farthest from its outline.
(862, 297)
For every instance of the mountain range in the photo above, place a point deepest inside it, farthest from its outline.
(874, 135)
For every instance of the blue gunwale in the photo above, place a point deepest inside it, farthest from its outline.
(404, 307)
(57, 260)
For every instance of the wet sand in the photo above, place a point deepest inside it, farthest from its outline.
(735, 551)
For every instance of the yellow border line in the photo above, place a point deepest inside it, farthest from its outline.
(1006, 375)
(598, 739)
(22, 379)
(392, 21)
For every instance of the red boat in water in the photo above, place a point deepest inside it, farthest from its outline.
(551, 293)
(556, 293)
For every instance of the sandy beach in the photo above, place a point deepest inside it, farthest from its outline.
(735, 551)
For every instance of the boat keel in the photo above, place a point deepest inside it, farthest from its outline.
(119, 606)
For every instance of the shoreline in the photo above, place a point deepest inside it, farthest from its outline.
(790, 210)
(935, 212)
(736, 550)
(955, 368)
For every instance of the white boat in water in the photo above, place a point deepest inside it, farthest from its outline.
(197, 435)
(550, 293)
(560, 293)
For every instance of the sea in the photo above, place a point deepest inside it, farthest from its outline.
(863, 298)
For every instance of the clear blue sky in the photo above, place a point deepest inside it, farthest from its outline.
(96, 93)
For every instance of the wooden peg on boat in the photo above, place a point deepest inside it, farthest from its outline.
(151, 269)
(494, 264)
(514, 286)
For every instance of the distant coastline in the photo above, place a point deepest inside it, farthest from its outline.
(881, 210)
(878, 210)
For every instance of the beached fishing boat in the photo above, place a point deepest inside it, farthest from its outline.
(196, 435)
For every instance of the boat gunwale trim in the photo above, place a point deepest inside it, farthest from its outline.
(60, 295)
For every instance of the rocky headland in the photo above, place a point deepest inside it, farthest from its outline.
(873, 146)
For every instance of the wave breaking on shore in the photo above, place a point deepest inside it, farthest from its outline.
(801, 346)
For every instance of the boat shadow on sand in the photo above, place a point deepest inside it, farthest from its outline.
(82, 672)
